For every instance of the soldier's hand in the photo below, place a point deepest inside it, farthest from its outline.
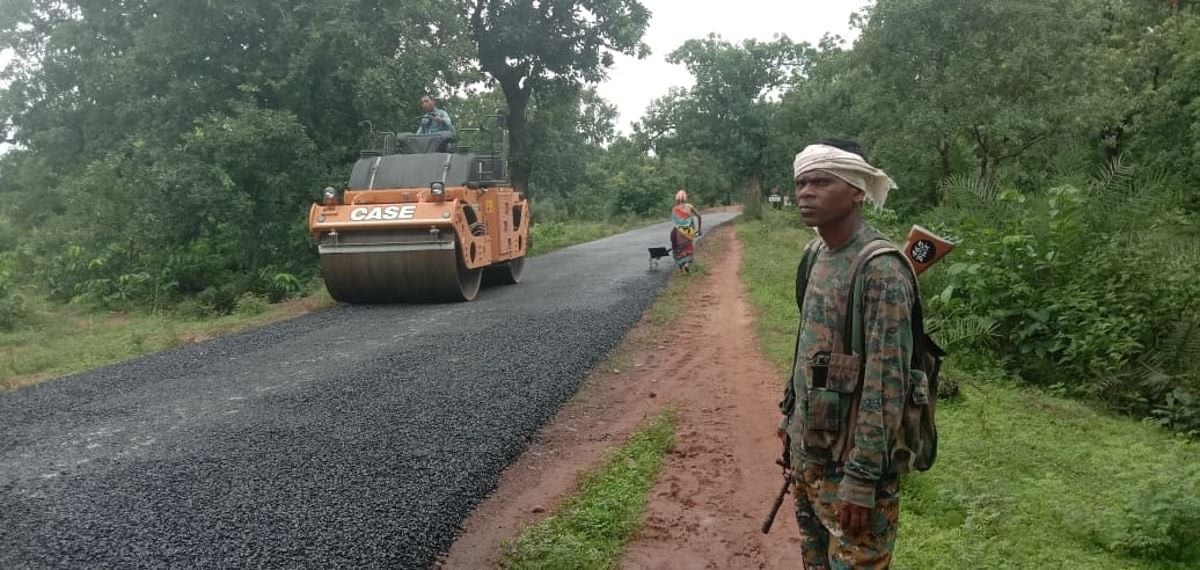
(852, 518)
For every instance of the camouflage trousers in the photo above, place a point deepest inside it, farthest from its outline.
(823, 546)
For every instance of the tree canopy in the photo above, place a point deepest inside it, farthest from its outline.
(535, 46)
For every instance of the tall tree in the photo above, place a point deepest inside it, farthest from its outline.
(726, 116)
(88, 73)
(998, 80)
(155, 112)
(531, 45)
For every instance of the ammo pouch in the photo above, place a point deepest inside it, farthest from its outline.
(833, 378)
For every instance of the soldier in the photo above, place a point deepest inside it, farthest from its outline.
(847, 494)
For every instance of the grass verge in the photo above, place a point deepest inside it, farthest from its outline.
(65, 340)
(1024, 479)
(546, 237)
(590, 528)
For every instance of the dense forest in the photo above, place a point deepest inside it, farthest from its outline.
(165, 153)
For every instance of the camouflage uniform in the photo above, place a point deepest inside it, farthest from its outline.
(881, 320)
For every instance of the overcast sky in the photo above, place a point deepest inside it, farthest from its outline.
(634, 83)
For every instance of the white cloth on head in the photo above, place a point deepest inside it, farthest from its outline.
(848, 166)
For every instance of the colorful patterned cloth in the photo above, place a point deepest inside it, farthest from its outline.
(683, 235)
(682, 248)
(681, 214)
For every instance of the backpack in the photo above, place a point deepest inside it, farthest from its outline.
(916, 440)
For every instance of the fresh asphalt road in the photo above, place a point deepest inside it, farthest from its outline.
(357, 436)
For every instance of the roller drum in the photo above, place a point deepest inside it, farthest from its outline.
(382, 267)
(508, 273)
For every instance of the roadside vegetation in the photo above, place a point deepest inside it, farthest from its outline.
(590, 528)
(59, 341)
(1025, 478)
(548, 236)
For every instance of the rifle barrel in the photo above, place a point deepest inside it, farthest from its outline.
(766, 527)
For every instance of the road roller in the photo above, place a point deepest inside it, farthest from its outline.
(424, 219)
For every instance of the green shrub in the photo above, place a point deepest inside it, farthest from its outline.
(1084, 290)
(1160, 522)
(147, 223)
(250, 304)
(219, 300)
(12, 304)
(548, 232)
(192, 308)
(277, 285)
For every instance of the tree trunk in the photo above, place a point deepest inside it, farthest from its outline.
(518, 147)
(752, 202)
(985, 156)
(516, 95)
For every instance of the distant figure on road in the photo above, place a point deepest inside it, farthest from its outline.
(846, 402)
(685, 232)
(775, 199)
(435, 120)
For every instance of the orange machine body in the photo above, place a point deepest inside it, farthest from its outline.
(501, 211)
(422, 223)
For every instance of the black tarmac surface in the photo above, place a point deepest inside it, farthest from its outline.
(354, 437)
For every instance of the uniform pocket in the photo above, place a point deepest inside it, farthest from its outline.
(844, 372)
(824, 410)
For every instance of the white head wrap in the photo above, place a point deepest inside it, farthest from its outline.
(848, 166)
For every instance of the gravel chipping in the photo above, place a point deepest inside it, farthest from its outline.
(353, 437)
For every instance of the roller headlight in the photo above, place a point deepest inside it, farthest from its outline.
(330, 196)
(438, 189)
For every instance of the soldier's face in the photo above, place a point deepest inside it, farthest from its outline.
(823, 198)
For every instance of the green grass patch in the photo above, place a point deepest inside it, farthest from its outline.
(771, 256)
(673, 300)
(546, 237)
(590, 529)
(1024, 479)
(64, 340)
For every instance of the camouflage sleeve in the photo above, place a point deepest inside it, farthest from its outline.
(886, 310)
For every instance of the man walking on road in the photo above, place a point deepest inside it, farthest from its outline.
(847, 388)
